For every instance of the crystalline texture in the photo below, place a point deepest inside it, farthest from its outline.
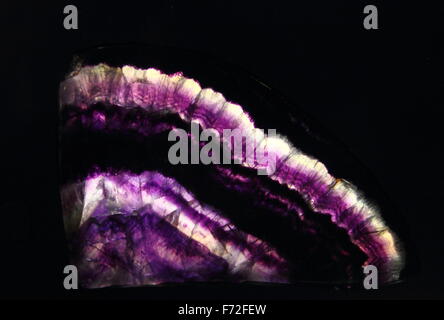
(139, 224)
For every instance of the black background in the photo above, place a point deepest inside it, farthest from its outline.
(379, 91)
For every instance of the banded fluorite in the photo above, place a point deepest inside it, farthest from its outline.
(134, 219)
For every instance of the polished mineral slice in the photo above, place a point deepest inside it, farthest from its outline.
(133, 219)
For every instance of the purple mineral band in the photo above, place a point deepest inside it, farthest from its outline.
(180, 234)
(151, 90)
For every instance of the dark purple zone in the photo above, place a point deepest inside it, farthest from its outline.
(127, 237)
